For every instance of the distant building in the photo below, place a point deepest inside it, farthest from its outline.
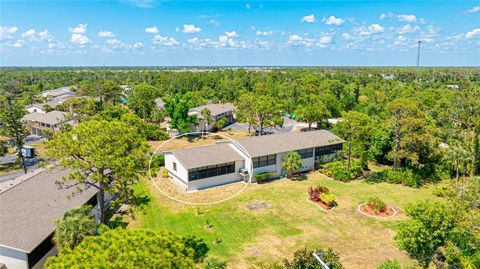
(160, 104)
(226, 162)
(28, 211)
(452, 86)
(63, 92)
(217, 111)
(38, 122)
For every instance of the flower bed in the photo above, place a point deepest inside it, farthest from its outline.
(322, 197)
(369, 211)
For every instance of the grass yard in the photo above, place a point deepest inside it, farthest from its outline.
(248, 238)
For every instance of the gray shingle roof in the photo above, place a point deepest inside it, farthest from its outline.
(52, 117)
(206, 155)
(256, 146)
(270, 144)
(215, 109)
(28, 211)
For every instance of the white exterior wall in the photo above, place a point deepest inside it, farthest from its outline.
(13, 259)
(32, 109)
(218, 180)
(181, 175)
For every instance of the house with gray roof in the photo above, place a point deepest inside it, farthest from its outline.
(217, 112)
(232, 161)
(28, 210)
(38, 122)
(62, 92)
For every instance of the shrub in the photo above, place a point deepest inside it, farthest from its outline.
(214, 263)
(441, 191)
(165, 173)
(390, 264)
(315, 192)
(304, 258)
(328, 199)
(338, 170)
(400, 176)
(264, 177)
(376, 204)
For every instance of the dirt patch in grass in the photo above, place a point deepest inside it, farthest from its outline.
(258, 205)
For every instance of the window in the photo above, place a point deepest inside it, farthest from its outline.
(306, 153)
(211, 171)
(174, 166)
(264, 160)
(325, 150)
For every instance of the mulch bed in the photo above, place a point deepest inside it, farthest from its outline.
(367, 210)
(322, 205)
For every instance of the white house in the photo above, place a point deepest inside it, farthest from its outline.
(63, 92)
(226, 162)
(28, 210)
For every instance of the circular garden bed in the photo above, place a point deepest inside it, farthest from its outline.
(322, 197)
(369, 211)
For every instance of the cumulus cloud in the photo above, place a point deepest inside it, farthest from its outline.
(19, 44)
(308, 18)
(164, 41)
(370, 30)
(44, 34)
(408, 29)
(332, 20)
(231, 34)
(474, 9)
(152, 30)
(400, 40)
(29, 34)
(190, 29)
(6, 32)
(138, 45)
(400, 17)
(78, 35)
(473, 33)
(213, 22)
(321, 42)
(106, 34)
(263, 33)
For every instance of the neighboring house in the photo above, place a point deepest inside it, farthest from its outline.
(226, 162)
(452, 86)
(28, 211)
(217, 111)
(160, 104)
(63, 92)
(40, 108)
(38, 122)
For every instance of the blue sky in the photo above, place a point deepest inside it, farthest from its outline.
(152, 32)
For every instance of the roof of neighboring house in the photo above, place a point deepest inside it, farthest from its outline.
(58, 92)
(206, 155)
(215, 109)
(52, 117)
(28, 210)
(54, 103)
(271, 144)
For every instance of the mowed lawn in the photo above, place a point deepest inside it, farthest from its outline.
(247, 237)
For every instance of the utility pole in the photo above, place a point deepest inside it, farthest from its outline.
(418, 58)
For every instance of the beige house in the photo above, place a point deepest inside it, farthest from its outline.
(226, 162)
(217, 112)
(38, 122)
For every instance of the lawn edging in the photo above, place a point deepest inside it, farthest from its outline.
(359, 209)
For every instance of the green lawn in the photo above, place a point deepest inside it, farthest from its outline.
(250, 237)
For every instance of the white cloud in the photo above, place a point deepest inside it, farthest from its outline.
(190, 29)
(326, 39)
(473, 33)
(332, 20)
(370, 30)
(407, 18)
(264, 33)
(7, 32)
(164, 41)
(214, 22)
(29, 34)
(18, 44)
(231, 34)
(382, 16)
(106, 34)
(80, 29)
(346, 36)
(308, 18)
(152, 30)
(79, 39)
(408, 29)
(401, 40)
(294, 38)
(142, 3)
(44, 34)
(138, 45)
(474, 9)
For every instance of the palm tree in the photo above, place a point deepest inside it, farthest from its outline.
(73, 227)
(206, 118)
(456, 156)
(291, 162)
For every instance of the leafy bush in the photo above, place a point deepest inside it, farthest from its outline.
(376, 204)
(304, 259)
(263, 177)
(315, 192)
(338, 170)
(390, 264)
(165, 172)
(400, 176)
(214, 263)
(441, 191)
(328, 199)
